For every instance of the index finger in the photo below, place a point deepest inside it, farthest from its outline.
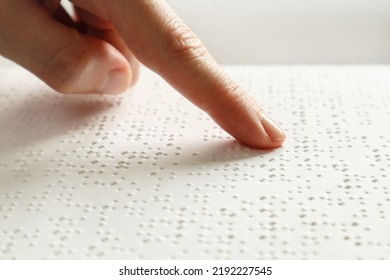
(162, 42)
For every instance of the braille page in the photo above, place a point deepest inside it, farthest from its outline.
(146, 175)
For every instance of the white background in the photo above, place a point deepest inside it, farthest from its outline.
(289, 32)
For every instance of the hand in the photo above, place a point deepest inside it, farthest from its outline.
(99, 53)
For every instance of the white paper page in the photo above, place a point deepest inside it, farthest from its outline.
(148, 176)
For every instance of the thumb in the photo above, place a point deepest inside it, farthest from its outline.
(66, 60)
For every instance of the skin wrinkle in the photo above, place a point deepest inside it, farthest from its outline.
(186, 56)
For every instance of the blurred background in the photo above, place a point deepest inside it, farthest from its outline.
(291, 32)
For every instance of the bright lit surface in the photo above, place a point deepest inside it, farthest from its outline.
(147, 175)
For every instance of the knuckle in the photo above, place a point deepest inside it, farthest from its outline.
(183, 45)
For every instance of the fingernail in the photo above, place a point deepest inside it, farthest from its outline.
(274, 132)
(116, 82)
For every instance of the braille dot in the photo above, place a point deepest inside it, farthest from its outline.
(147, 175)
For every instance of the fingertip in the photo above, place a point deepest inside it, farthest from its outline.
(274, 132)
(241, 116)
(270, 135)
(250, 129)
(262, 141)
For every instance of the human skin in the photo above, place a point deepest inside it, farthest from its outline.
(102, 50)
